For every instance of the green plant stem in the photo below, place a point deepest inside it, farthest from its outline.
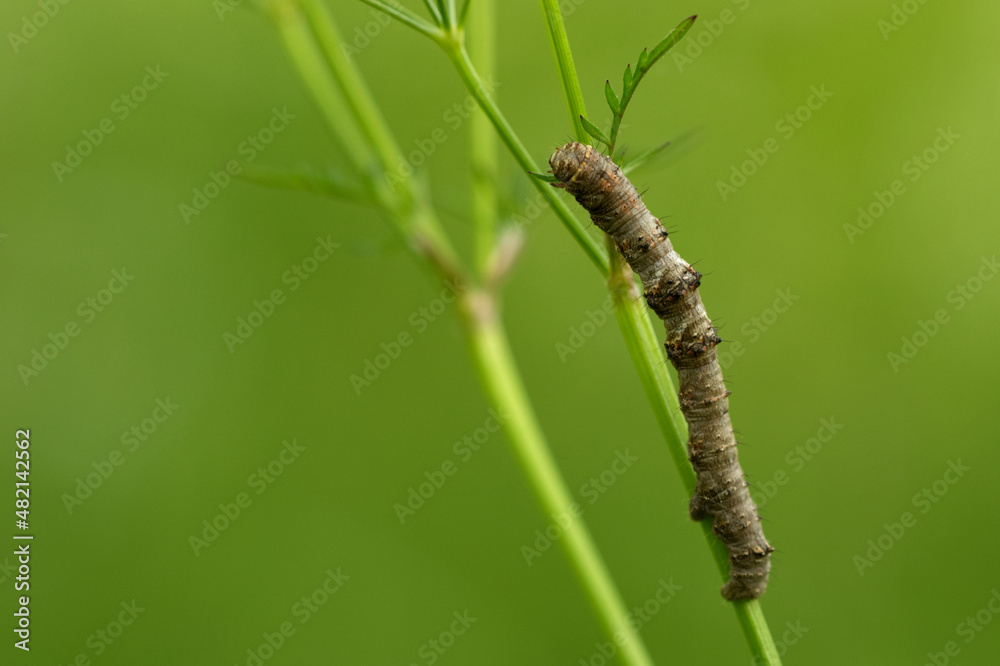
(647, 357)
(637, 330)
(435, 10)
(497, 370)
(567, 69)
(359, 100)
(488, 342)
(460, 58)
(302, 50)
(452, 16)
(483, 152)
(650, 364)
(311, 38)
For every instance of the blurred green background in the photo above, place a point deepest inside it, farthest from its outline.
(857, 293)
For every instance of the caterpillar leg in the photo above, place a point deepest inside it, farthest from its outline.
(748, 572)
(698, 508)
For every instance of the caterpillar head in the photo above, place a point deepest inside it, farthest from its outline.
(566, 161)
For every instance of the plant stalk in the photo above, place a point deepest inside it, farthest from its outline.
(467, 72)
(497, 371)
(487, 339)
(296, 36)
(312, 40)
(567, 69)
(483, 152)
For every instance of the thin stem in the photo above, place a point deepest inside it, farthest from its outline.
(311, 37)
(649, 361)
(460, 58)
(616, 121)
(567, 69)
(297, 38)
(432, 7)
(756, 631)
(465, 12)
(631, 81)
(357, 95)
(406, 17)
(497, 371)
(483, 146)
(647, 357)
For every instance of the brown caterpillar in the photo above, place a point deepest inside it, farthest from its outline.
(671, 290)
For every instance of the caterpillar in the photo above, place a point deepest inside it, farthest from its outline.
(671, 290)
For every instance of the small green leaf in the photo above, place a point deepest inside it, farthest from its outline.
(432, 7)
(465, 13)
(632, 165)
(630, 80)
(407, 17)
(544, 177)
(641, 62)
(594, 131)
(670, 40)
(332, 183)
(612, 98)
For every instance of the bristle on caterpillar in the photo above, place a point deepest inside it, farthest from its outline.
(671, 290)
